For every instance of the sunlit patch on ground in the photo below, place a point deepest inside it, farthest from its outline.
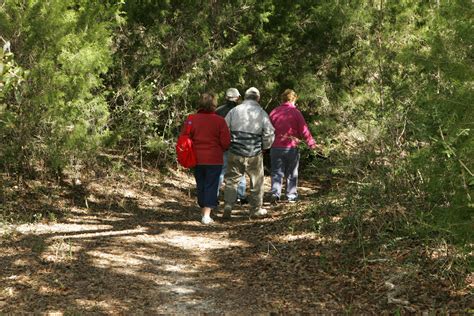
(178, 268)
(61, 250)
(103, 233)
(183, 289)
(130, 252)
(198, 242)
(125, 264)
(40, 229)
(94, 220)
(8, 291)
(100, 305)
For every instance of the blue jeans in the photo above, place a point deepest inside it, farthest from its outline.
(207, 181)
(285, 162)
(242, 182)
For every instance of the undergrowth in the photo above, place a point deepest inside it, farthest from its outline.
(379, 226)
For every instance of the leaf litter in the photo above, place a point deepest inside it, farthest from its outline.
(128, 248)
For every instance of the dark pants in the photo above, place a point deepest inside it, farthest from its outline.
(285, 162)
(207, 181)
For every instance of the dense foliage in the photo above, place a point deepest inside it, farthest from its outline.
(55, 112)
(386, 86)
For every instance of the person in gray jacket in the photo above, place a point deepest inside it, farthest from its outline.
(232, 96)
(251, 133)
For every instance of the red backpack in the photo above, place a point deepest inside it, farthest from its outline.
(184, 147)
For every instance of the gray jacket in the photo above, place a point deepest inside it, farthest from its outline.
(250, 129)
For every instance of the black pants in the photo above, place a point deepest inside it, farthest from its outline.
(207, 182)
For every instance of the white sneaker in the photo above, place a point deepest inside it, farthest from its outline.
(260, 213)
(206, 220)
(293, 199)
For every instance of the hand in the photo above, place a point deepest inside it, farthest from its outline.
(319, 152)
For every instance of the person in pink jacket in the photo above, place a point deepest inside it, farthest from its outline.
(290, 127)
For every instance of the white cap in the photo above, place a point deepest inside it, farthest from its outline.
(232, 93)
(252, 92)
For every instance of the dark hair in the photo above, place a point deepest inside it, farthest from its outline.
(207, 102)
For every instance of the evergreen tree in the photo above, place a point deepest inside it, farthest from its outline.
(57, 115)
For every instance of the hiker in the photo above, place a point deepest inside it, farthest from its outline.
(290, 128)
(232, 97)
(211, 137)
(251, 132)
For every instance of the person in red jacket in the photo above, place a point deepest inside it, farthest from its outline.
(290, 128)
(211, 137)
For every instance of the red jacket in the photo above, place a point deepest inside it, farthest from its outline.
(211, 137)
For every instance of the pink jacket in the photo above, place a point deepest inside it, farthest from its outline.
(290, 127)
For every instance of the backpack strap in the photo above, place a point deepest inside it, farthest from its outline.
(188, 123)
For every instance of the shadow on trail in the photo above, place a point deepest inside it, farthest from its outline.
(94, 280)
(286, 269)
(155, 259)
(120, 267)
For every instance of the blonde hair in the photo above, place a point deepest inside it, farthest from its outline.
(289, 96)
(207, 102)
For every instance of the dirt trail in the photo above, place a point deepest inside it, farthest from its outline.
(123, 249)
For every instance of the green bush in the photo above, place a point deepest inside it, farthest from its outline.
(58, 116)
